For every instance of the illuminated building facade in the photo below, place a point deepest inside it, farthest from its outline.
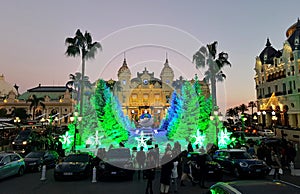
(57, 100)
(147, 93)
(277, 81)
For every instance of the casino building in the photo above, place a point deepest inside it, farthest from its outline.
(146, 92)
(277, 81)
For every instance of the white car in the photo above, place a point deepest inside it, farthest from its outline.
(266, 132)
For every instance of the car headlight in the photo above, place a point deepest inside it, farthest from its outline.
(82, 166)
(13, 142)
(24, 142)
(102, 166)
(243, 164)
(57, 167)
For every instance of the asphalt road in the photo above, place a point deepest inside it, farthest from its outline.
(30, 183)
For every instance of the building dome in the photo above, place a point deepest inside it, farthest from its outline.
(291, 29)
(167, 70)
(294, 36)
(267, 55)
(5, 87)
(124, 69)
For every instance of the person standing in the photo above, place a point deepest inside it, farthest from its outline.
(140, 159)
(150, 171)
(166, 170)
(174, 175)
(190, 147)
(186, 169)
(156, 155)
(276, 165)
(202, 170)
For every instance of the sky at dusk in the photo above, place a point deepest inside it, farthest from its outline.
(33, 33)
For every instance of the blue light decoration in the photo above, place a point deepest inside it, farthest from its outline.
(142, 141)
(224, 138)
(145, 115)
(200, 137)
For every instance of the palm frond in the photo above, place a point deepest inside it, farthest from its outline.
(199, 57)
(78, 34)
(88, 37)
(72, 51)
(212, 48)
(70, 41)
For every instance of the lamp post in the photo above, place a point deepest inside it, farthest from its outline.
(42, 121)
(255, 121)
(76, 118)
(17, 121)
(264, 118)
(274, 118)
(216, 117)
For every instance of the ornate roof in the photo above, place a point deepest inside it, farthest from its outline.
(54, 92)
(294, 36)
(267, 55)
(167, 70)
(5, 87)
(124, 68)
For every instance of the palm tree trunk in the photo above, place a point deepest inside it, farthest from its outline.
(82, 85)
(33, 111)
(213, 91)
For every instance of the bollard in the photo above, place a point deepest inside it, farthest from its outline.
(43, 177)
(94, 180)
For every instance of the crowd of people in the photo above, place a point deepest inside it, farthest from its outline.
(277, 155)
(175, 168)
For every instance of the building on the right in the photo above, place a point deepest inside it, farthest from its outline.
(277, 82)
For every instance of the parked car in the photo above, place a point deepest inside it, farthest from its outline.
(35, 160)
(74, 166)
(253, 186)
(116, 163)
(214, 169)
(11, 164)
(25, 141)
(266, 132)
(240, 163)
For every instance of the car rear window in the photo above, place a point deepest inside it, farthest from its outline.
(77, 158)
(35, 155)
(240, 155)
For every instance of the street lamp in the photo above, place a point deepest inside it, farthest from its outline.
(264, 118)
(17, 121)
(42, 121)
(76, 118)
(274, 118)
(216, 117)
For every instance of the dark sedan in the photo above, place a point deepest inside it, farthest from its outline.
(254, 186)
(240, 163)
(116, 163)
(213, 169)
(35, 160)
(74, 166)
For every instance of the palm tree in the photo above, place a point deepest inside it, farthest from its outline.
(251, 105)
(243, 108)
(74, 84)
(82, 44)
(231, 112)
(35, 102)
(207, 57)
